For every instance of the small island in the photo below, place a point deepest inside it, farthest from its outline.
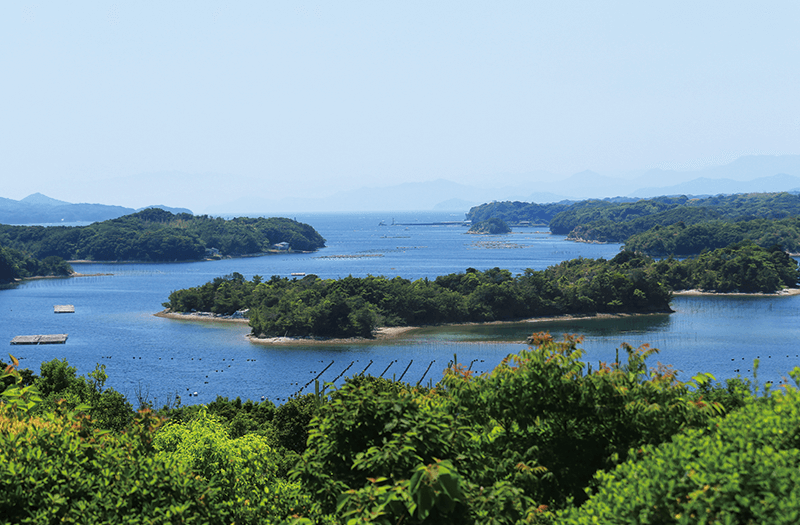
(630, 283)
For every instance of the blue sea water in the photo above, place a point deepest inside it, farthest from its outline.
(113, 323)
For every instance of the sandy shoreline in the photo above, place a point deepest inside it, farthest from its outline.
(784, 292)
(201, 316)
(398, 332)
(384, 333)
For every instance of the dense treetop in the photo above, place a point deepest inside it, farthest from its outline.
(681, 239)
(15, 264)
(493, 226)
(517, 212)
(601, 220)
(666, 225)
(158, 235)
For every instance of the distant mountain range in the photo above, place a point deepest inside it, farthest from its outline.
(256, 197)
(41, 209)
(747, 174)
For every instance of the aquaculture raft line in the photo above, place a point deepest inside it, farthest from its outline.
(45, 339)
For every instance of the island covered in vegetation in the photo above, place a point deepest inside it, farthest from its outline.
(542, 439)
(355, 307)
(157, 235)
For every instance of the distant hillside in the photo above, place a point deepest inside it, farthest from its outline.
(158, 235)
(38, 208)
(661, 226)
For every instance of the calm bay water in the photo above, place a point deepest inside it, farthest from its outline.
(113, 323)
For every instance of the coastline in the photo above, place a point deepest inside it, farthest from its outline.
(780, 293)
(384, 333)
(201, 316)
(202, 259)
(73, 274)
(388, 333)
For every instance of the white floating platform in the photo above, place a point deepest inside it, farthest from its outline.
(46, 339)
(64, 309)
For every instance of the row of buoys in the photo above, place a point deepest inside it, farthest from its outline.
(365, 368)
(768, 357)
(426, 372)
(406, 370)
(393, 361)
(317, 377)
(343, 371)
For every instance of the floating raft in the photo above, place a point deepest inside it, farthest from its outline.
(46, 339)
(64, 309)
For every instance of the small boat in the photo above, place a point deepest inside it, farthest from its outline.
(298, 274)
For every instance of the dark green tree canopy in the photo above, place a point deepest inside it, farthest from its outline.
(154, 234)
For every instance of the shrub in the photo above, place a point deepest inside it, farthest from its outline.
(741, 469)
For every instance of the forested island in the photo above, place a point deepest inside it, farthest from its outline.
(543, 439)
(666, 225)
(154, 234)
(354, 307)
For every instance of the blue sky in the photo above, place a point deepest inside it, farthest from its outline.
(310, 97)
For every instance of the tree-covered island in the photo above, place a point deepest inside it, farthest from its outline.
(355, 307)
(158, 235)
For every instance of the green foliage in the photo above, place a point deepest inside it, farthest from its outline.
(15, 264)
(493, 226)
(18, 394)
(365, 446)
(224, 295)
(681, 239)
(517, 212)
(351, 306)
(57, 468)
(502, 447)
(24, 377)
(744, 468)
(245, 467)
(744, 267)
(290, 423)
(609, 222)
(158, 235)
(58, 383)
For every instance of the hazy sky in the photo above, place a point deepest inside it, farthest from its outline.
(312, 95)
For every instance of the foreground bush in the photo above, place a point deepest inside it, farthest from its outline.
(246, 468)
(503, 447)
(741, 469)
(56, 468)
